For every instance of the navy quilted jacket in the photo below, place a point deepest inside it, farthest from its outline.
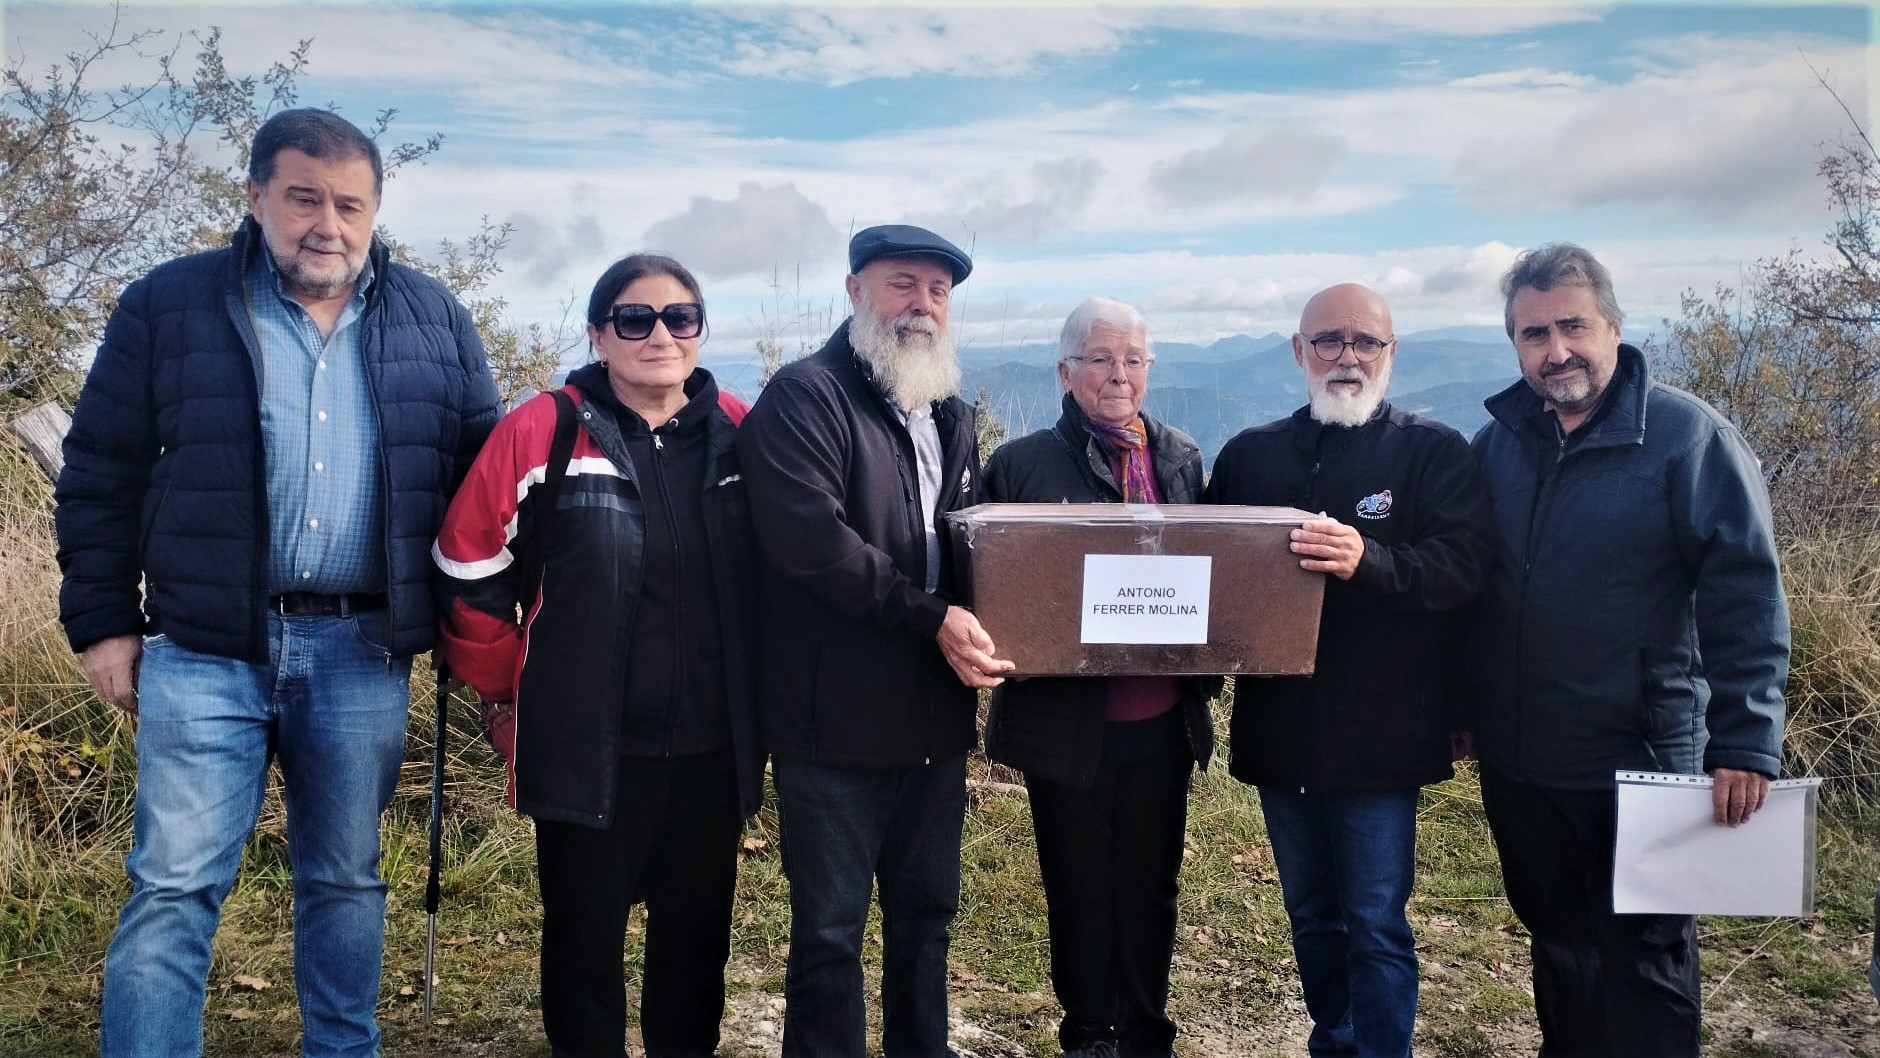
(164, 478)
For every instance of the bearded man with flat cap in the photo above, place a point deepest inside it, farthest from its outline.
(1405, 538)
(851, 457)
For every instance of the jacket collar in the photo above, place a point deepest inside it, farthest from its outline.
(1166, 455)
(701, 391)
(1619, 419)
(1309, 433)
(1075, 424)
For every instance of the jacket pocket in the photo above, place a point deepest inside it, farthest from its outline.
(150, 524)
(1648, 720)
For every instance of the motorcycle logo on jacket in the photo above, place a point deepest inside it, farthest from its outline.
(1376, 505)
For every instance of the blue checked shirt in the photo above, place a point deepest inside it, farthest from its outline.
(321, 437)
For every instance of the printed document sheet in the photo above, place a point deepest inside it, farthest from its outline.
(1673, 858)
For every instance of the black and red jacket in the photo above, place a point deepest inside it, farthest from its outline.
(577, 670)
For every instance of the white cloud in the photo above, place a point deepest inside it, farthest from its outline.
(841, 45)
(542, 248)
(752, 233)
(496, 65)
(569, 129)
(1202, 297)
(1384, 22)
(1258, 160)
(1480, 270)
(1526, 77)
(1736, 135)
(1051, 201)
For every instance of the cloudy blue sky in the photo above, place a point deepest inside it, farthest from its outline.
(1214, 165)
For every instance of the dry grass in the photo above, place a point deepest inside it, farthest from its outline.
(67, 774)
(1833, 581)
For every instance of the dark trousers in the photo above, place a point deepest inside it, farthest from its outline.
(673, 845)
(1605, 985)
(843, 830)
(1109, 856)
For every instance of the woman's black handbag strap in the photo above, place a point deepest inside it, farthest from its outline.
(548, 501)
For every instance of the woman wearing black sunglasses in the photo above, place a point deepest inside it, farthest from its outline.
(625, 700)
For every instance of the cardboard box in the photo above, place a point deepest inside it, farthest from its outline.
(1104, 589)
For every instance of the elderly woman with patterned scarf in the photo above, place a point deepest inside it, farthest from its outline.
(1107, 760)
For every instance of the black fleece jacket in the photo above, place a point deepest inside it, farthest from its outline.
(853, 675)
(1052, 726)
(1386, 689)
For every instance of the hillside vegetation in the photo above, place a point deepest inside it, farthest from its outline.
(1794, 358)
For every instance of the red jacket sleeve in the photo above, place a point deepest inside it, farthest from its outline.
(479, 548)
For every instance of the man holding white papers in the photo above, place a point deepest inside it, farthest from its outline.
(1635, 620)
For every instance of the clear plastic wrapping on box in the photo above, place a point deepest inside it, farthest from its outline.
(1103, 589)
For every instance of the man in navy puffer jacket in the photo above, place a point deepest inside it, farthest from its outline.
(259, 460)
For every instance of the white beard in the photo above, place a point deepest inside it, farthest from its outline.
(1338, 408)
(912, 356)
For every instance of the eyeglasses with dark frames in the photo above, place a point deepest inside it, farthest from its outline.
(633, 321)
(1331, 348)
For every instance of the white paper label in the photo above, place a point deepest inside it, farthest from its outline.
(1146, 598)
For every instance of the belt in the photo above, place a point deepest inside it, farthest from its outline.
(313, 604)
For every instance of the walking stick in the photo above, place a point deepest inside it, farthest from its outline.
(432, 889)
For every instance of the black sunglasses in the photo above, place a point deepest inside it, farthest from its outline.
(632, 321)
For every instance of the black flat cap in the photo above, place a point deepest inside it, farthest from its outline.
(905, 240)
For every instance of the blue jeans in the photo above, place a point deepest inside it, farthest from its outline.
(330, 705)
(1346, 864)
(843, 830)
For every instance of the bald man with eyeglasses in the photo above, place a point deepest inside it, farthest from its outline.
(1405, 538)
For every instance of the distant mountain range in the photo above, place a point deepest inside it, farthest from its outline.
(1217, 390)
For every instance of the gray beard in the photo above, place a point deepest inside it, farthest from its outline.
(1340, 409)
(911, 365)
(1572, 394)
(297, 283)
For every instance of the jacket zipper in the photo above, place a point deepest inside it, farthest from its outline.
(678, 595)
(385, 466)
(910, 500)
(1543, 484)
(236, 302)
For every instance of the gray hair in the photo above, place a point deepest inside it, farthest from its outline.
(1560, 264)
(317, 134)
(1085, 317)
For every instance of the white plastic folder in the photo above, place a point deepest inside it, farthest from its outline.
(1672, 858)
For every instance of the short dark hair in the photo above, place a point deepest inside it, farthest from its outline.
(625, 271)
(317, 134)
(1560, 264)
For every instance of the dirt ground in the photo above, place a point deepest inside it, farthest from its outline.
(1738, 1026)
